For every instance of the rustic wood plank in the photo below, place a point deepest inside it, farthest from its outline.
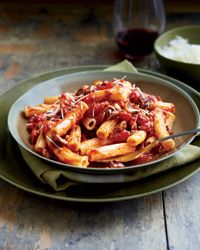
(182, 215)
(40, 223)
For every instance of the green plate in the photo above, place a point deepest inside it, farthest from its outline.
(14, 170)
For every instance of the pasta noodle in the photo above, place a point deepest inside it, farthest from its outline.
(133, 155)
(137, 137)
(67, 156)
(74, 138)
(93, 143)
(106, 128)
(89, 123)
(169, 119)
(161, 131)
(37, 110)
(50, 99)
(109, 151)
(111, 122)
(70, 119)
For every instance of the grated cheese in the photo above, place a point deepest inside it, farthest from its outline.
(181, 50)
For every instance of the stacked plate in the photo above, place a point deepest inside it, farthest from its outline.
(96, 184)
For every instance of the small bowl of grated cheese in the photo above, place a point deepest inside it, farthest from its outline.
(178, 51)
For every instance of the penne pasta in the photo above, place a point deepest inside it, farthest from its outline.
(169, 119)
(50, 99)
(93, 143)
(67, 156)
(89, 123)
(161, 131)
(163, 105)
(137, 137)
(70, 119)
(113, 122)
(40, 143)
(116, 93)
(37, 110)
(106, 128)
(74, 138)
(104, 152)
(131, 156)
(119, 94)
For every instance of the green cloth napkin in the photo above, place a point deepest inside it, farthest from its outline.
(60, 180)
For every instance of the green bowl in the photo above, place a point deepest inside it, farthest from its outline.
(181, 70)
(187, 114)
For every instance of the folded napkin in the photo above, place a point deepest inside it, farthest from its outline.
(60, 180)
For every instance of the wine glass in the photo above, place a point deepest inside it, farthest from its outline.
(136, 25)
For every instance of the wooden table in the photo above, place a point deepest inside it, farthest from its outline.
(39, 37)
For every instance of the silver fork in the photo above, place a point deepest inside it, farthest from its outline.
(187, 132)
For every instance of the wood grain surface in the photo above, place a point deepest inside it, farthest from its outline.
(39, 37)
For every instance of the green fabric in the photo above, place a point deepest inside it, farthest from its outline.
(62, 179)
(124, 66)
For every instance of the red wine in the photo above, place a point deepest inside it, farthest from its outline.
(136, 43)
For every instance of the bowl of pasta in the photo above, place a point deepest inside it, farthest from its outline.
(102, 122)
